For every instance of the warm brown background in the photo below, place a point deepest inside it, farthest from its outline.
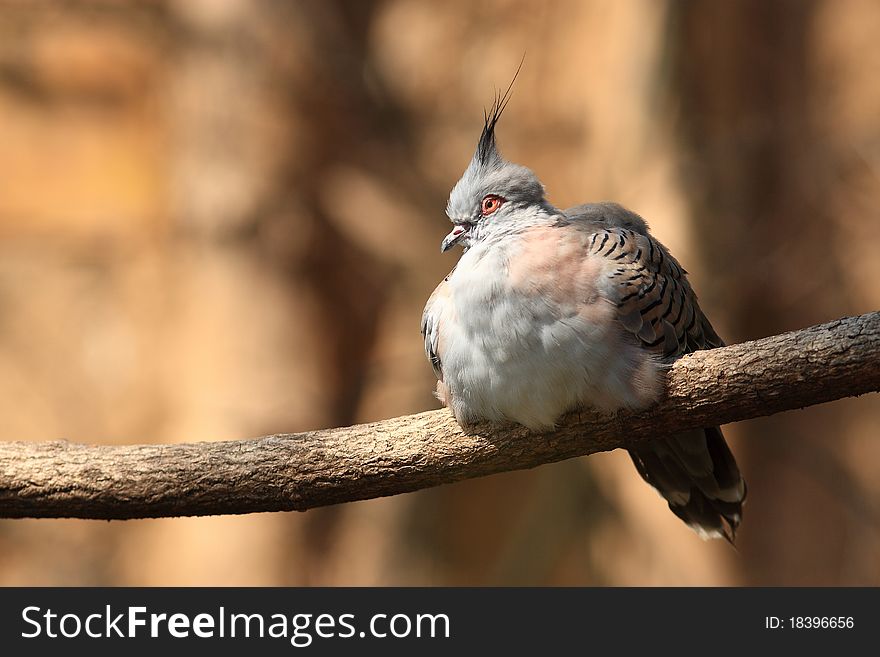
(221, 218)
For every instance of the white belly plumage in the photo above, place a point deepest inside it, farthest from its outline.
(512, 356)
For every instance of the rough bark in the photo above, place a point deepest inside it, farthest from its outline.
(305, 470)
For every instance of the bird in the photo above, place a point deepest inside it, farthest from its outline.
(548, 311)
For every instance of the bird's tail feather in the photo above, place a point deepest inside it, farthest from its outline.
(697, 475)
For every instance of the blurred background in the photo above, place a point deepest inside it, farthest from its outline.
(221, 218)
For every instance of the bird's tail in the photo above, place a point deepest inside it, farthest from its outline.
(696, 473)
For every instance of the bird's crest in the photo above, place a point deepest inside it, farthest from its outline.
(488, 173)
(487, 151)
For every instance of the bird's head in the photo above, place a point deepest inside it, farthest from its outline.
(493, 193)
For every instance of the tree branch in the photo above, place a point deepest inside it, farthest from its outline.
(301, 471)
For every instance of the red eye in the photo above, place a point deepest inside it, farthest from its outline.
(490, 204)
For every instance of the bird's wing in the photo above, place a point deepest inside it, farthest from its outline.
(431, 322)
(695, 470)
(653, 297)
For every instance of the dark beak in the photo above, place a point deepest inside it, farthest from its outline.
(454, 236)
